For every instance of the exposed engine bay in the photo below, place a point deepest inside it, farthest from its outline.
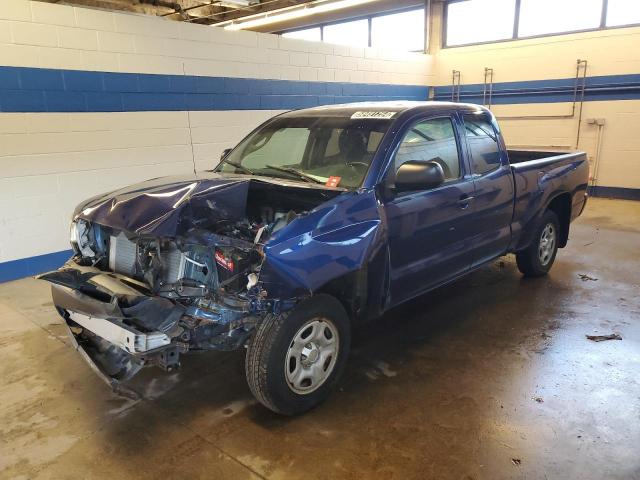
(224, 255)
(160, 292)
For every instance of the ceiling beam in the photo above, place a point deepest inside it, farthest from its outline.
(363, 10)
(215, 13)
(210, 11)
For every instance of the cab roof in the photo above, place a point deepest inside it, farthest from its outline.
(349, 109)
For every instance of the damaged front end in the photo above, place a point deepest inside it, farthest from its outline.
(161, 269)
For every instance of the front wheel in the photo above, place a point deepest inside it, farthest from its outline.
(295, 358)
(536, 260)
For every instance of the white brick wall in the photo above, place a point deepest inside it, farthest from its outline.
(51, 161)
(34, 34)
(608, 52)
(59, 36)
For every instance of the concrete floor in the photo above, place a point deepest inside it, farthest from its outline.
(491, 377)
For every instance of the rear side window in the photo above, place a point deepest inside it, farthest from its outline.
(483, 144)
(431, 140)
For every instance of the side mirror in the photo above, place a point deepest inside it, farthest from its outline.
(225, 152)
(413, 175)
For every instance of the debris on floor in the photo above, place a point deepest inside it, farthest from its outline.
(516, 461)
(602, 338)
(538, 399)
(585, 278)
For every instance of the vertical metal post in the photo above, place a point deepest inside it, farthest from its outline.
(455, 85)
(516, 20)
(487, 89)
(427, 26)
(491, 90)
(603, 16)
(583, 86)
(193, 154)
(596, 161)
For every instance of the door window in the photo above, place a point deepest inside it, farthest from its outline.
(483, 144)
(431, 140)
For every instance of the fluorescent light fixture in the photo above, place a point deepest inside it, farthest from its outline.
(291, 13)
(237, 3)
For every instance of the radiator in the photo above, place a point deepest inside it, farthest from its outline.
(122, 255)
(174, 264)
(122, 259)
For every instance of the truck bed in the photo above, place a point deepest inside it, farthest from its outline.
(538, 177)
(520, 156)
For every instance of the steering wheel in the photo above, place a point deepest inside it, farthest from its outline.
(360, 164)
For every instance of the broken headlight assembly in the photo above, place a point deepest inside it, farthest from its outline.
(87, 239)
(80, 241)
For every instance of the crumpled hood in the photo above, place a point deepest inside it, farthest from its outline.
(168, 206)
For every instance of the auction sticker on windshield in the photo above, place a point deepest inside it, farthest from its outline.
(333, 181)
(385, 115)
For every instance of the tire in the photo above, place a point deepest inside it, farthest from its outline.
(295, 358)
(537, 259)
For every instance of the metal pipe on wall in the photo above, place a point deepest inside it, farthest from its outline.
(488, 74)
(455, 85)
(579, 84)
(584, 87)
(579, 87)
(596, 161)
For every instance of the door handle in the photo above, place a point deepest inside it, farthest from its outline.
(464, 201)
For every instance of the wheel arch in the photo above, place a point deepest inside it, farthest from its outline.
(561, 206)
(364, 293)
(350, 290)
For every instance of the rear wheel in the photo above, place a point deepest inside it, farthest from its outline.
(295, 359)
(537, 259)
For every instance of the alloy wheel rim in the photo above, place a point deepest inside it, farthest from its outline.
(311, 356)
(547, 244)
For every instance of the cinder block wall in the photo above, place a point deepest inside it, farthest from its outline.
(536, 77)
(91, 101)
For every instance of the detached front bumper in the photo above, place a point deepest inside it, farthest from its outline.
(115, 323)
(117, 333)
(114, 383)
(119, 326)
(103, 320)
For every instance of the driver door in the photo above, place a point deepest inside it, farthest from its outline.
(429, 230)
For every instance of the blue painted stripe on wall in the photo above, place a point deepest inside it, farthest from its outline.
(25, 89)
(26, 267)
(615, 192)
(600, 88)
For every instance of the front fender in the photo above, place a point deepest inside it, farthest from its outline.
(299, 265)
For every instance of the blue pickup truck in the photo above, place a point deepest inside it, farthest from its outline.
(317, 220)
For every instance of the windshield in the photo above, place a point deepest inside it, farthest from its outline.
(335, 151)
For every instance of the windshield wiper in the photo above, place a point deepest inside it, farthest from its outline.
(238, 166)
(297, 173)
